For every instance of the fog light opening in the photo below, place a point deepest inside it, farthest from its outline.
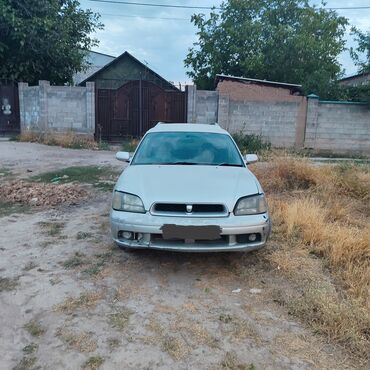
(127, 235)
(252, 237)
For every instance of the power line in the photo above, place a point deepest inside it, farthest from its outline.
(205, 7)
(141, 16)
(155, 5)
(349, 8)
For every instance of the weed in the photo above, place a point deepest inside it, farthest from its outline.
(5, 173)
(66, 140)
(120, 319)
(97, 266)
(129, 145)
(81, 235)
(85, 300)
(103, 145)
(175, 347)
(79, 259)
(93, 363)
(55, 281)
(225, 318)
(35, 328)
(8, 284)
(92, 270)
(81, 342)
(9, 208)
(102, 178)
(30, 348)
(231, 362)
(113, 343)
(30, 266)
(251, 143)
(52, 228)
(27, 363)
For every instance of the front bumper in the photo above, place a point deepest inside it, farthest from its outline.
(148, 226)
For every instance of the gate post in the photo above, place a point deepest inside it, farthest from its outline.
(90, 107)
(43, 99)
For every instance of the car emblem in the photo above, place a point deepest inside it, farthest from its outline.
(189, 208)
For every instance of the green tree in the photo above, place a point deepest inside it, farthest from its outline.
(44, 39)
(363, 48)
(279, 40)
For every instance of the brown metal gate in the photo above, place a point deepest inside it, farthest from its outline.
(136, 107)
(9, 108)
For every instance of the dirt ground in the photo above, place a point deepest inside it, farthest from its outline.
(70, 299)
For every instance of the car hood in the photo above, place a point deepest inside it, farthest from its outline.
(188, 184)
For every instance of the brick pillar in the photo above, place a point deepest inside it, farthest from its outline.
(300, 127)
(223, 111)
(22, 108)
(43, 101)
(191, 91)
(311, 121)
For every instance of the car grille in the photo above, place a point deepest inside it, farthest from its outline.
(158, 239)
(197, 210)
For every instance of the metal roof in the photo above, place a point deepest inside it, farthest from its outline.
(355, 76)
(126, 54)
(281, 84)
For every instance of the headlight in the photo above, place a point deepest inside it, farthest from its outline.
(127, 202)
(252, 205)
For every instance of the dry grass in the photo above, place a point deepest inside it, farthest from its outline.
(27, 363)
(321, 224)
(231, 362)
(93, 363)
(65, 140)
(86, 300)
(82, 342)
(35, 328)
(8, 284)
(120, 319)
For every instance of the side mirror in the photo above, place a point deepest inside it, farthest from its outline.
(123, 156)
(251, 158)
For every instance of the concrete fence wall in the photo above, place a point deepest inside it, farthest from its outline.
(202, 105)
(46, 108)
(282, 119)
(337, 126)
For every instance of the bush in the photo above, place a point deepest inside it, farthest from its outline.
(66, 140)
(129, 145)
(250, 143)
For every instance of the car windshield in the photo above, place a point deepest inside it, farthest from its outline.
(188, 148)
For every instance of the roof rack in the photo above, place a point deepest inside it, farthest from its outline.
(200, 123)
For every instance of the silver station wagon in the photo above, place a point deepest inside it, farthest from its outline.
(188, 188)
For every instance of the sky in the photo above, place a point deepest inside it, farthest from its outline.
(163, 43)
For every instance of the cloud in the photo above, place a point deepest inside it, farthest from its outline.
(163, 44)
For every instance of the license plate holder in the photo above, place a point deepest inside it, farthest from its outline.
(206, 232)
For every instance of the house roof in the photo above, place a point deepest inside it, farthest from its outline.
(126, 54)
(264, 82)
(355, 76)
(98, 52)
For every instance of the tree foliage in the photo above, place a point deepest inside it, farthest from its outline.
(44, 39)
(279, 40)
(363, 48)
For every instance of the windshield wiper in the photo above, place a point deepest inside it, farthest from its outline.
(229, 165)
(179, 163)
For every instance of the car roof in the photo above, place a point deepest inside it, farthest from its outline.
(188, 127)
